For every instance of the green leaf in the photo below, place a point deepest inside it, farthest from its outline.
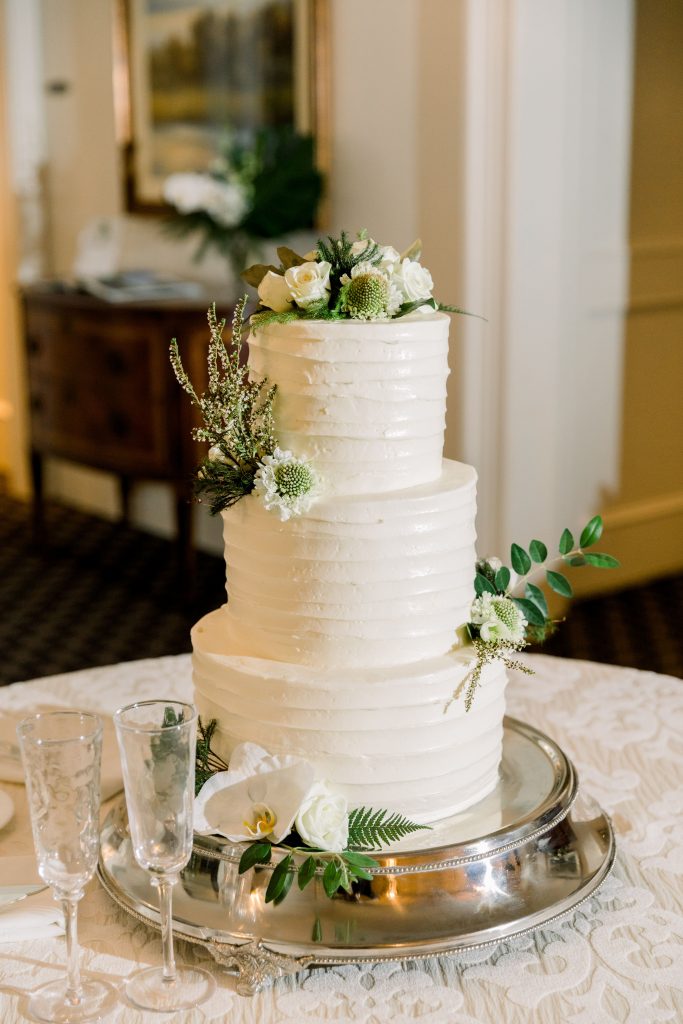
(502, 579)
(601, 561)
(577, 560)
(481, 584)
(288, 258)
(538, 551)
(278, 879)
(521, 562)
(566, 542)
(255, 853)
(410, 307)
(317, 933)
(287, 885)
(359, 859)
(591, 533)
(413, 252)
(307, 871)
(530, 611)
(559, 583)
(332, 877)
(536, 595)
(254, 275)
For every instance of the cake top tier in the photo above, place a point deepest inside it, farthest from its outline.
(365, 402)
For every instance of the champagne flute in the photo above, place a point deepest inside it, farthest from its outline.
(157, 739)
(61, 752)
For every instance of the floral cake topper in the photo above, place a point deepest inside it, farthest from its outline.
(341, 279)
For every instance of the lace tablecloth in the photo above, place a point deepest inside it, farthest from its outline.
(619, 958)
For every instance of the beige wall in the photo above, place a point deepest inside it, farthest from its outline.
(644, 521)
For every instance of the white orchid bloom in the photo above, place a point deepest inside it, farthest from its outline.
(260, 795)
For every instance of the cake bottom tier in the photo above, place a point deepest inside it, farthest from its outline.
(384, 737)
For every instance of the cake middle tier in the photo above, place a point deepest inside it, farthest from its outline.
(368, 580)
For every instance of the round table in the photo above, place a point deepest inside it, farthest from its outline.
(617, 958)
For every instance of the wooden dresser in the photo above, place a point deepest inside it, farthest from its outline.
(102, 393)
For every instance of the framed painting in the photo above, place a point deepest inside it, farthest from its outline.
(188, 73)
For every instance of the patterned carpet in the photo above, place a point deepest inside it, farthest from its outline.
(102, 593)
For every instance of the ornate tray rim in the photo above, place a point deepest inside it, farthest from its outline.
(260, 959)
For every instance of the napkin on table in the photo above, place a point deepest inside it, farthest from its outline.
(37, 916)
(11, 769)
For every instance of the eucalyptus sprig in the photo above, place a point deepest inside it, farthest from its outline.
(237, 415)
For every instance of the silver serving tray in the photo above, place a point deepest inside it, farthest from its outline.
(527, 853)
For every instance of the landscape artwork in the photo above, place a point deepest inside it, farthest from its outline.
(198, 70)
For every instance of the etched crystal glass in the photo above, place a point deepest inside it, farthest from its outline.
(157, 740)
(61, 753)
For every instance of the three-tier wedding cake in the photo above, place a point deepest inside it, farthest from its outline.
(341, 640)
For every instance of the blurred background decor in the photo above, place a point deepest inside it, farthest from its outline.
(251, 192)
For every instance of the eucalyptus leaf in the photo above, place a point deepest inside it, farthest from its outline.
(566, 542)
(307, 872)
(591, 533)
(538, 551)
(255, 853)
(482, 585)
(288, 258)
(559, 583)
(278, 879)
(601, 561)
(530, 611)
(521, 562)
(536, 595)
(502, 579)
(254, 275)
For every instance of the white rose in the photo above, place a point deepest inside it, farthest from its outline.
(185, 191)
(308, 283)
(414, 280)
(323, 819)
(225, 201)
(390, 257)
(274, 292)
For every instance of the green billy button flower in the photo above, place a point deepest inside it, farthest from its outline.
(365, 296)
(293, 479)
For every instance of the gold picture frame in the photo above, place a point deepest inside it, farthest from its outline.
(184, 75)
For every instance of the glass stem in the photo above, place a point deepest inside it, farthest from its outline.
(74, 991)
(165, 886)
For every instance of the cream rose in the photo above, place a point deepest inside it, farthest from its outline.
(274, 292)
(414, 280)
(323, 820)
(308, 283)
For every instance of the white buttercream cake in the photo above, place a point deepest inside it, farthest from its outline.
(339, 641)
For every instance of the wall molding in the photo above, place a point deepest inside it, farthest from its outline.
(647, 510)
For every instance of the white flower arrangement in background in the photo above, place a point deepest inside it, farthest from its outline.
(226, 202)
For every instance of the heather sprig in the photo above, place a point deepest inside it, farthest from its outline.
(237, 415)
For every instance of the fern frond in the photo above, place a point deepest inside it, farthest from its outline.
(370, 829)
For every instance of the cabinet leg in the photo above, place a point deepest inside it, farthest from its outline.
(38, 524)
(124, 495)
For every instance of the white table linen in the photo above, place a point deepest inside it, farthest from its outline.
(617, 958)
